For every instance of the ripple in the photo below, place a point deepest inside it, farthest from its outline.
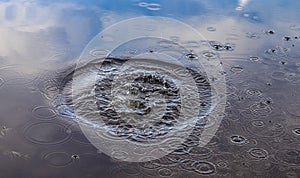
(200, 152)
(252, 35)
(211, 29)
(261, 109)
(153, 7)
(46, 133)
(210, 55)
(165, 172)
(258, 153)
(266, 129)
(58, 159)
(99, 53)
(203, 167)
(1, 81)
(289, 156)
(44, 112)
(254, 58)
(187, 164)
(293, 109)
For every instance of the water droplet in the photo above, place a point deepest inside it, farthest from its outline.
(270, 32)
(238, 139)
(75, 157)
(296, 131)
(192, 56)
(287, 38)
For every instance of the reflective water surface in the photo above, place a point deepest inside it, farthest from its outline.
(256, 43)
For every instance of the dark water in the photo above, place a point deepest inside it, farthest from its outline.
(70, 96)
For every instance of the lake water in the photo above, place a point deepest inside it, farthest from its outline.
(132, 88)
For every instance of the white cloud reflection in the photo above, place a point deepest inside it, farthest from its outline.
(32, 33)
